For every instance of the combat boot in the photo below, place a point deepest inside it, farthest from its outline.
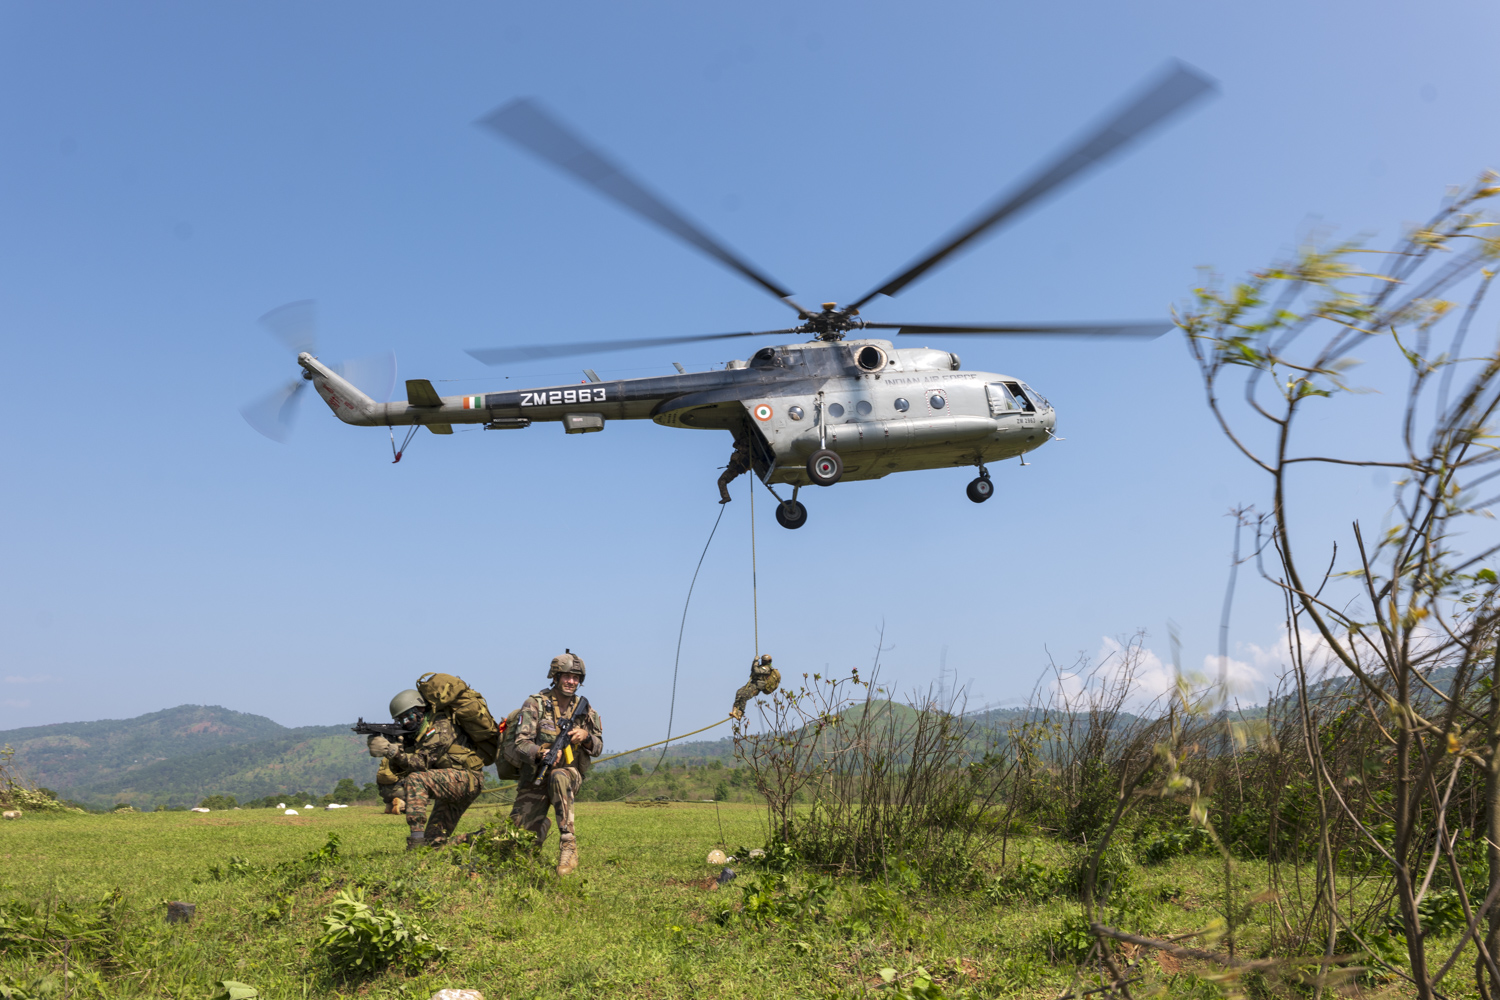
(567, 856)
(417, 838)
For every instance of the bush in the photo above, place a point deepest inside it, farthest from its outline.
(359, 939)
(218, 802)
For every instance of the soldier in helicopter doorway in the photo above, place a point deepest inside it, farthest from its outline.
(544, 717)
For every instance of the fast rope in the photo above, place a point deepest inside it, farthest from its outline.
(754, 587)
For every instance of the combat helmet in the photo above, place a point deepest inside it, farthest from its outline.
(568, 663)
(406, 701)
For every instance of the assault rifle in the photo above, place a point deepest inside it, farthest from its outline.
(393, 731)
(555, 751)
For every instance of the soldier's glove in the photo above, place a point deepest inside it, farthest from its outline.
(381, 747)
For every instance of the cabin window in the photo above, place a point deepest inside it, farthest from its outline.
(835, 409)
(937, 400)
(795, 413)
(863, 407)
(902, 405)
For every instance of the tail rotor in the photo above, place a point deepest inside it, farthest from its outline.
(295, 325)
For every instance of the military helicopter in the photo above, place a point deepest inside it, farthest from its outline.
(832, 408)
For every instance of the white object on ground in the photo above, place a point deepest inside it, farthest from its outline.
(717, 857)
(281, 805)
(198, 809)
(291, 812)
(458, 995)
(12, 814)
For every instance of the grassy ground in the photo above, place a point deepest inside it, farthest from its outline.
(641, 917)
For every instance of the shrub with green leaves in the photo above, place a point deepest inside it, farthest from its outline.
(359, 939)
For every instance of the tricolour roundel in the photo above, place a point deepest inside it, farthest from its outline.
(762, 412)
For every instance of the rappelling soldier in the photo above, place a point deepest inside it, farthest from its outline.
(436, 770)
(540, 722)
(739, 464)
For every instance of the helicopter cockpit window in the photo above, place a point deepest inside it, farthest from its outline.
(1007, 397)
(1037, 398)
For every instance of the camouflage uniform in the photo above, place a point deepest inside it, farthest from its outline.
(386, 784)
(541, 719)
(739, 463)
(764, 679)
(440, 771)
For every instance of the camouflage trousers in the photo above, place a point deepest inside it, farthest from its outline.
(556, 790)
(448, 791)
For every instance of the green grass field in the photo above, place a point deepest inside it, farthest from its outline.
(639, 918)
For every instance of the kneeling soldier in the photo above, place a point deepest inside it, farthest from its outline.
(541, 720)
(434, 767)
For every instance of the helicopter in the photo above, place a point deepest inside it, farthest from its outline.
(835, 407)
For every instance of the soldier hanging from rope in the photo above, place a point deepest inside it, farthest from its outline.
(739, 464)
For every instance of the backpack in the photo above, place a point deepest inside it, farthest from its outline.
(506, 764)
(449, 695)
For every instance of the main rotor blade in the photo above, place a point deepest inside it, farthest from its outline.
(1147, 329)
(527, 124)
(537, 352)
(1174, 91)
(274, 413)
(295, 325)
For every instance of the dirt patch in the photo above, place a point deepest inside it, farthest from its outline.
(295, 820)
(205, 821)
(702, 884)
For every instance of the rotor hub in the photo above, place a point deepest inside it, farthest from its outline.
(832, 323)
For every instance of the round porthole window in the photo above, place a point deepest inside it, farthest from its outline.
(795, 412)
(863, 407)
(937, 401)
(902, 405)
(835, 409)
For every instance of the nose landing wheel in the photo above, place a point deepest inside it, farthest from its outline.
(791, 514)
(982, 488)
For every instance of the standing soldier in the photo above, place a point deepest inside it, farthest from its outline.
(435, 768)
(541, 720)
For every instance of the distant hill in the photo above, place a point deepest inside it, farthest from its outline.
(178, 756)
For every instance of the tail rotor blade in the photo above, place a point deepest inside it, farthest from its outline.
(295, 325)
(274, 414)
(375, 375)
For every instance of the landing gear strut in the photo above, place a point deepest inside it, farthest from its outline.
(789, 513)
(982, 488)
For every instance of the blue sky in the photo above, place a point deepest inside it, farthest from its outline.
(173, 171)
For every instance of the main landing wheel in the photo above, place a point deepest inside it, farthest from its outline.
(791, 514)
(824, 467)
(980, 489)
